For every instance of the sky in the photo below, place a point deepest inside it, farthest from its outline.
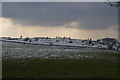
(80, 20)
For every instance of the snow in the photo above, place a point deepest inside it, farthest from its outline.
(59, 42)
(51, 48)
(17, 50)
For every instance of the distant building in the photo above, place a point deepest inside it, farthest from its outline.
(12, 38)
(5, 37)
(58, 37)
(63, 37)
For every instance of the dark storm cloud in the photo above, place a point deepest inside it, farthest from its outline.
(90, 15)
(0, 9)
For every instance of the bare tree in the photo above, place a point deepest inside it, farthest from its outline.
(113, 3)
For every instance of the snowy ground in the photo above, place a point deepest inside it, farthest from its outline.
(54, 41)
(18, 50)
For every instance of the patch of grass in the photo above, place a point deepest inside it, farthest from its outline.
(60, 68)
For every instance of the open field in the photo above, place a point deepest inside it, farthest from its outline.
(17, 50)
(64, 68)
(40, 61)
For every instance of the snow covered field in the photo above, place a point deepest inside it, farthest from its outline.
(18, 50)
(55, 41)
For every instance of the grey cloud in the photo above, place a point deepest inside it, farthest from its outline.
(91, 15)
(0, 9)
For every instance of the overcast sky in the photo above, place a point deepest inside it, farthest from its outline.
(87, 16)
